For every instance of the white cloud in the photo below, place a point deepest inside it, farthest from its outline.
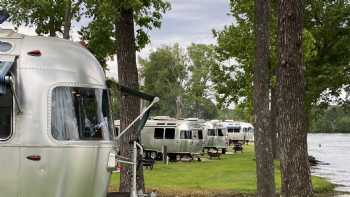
(189, 21)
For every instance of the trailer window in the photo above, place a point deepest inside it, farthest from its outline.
(158, 133)
(220, 133)
(200, 134)
(169, 133)
(186, 134)
(211, 132)
(6, 110)
(237, 130)
(80, 114)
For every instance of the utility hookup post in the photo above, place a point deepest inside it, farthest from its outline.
(133, 192)
(165, 154)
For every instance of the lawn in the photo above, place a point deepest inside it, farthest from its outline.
(232, 174)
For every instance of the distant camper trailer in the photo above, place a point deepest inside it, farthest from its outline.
(214, 137)
(183, 138)
(238, 131)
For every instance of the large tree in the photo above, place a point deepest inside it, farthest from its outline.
(129, 12)
(198, 88)
(164, 74)
(112, 31)
(129, 105)
(181, 80)
(53, 18)
(263, 141)
(292, 117)
(326, 49)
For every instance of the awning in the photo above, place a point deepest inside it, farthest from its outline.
(135, 92)
(6, 63)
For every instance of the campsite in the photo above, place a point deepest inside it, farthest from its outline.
(174, 98)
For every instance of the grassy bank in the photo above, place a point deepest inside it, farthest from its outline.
(233, 174)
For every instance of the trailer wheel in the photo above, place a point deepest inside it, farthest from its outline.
(178, 157)
(172, 157)
(191, 157)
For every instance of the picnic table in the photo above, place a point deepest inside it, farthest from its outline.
(214, 154)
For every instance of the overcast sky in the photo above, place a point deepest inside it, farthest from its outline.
(189, 21)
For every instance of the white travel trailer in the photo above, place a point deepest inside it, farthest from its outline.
(55, 131)
(183, 138)
(214, 136)
(248, 130)
(238, 131)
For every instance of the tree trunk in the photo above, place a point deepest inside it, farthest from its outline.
(274, 132)
(67, 20)
(130, 105)
(263, 147)
(52, 30)
(178, 107)
(291, 115)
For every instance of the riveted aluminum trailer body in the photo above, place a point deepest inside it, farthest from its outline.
(41, 155)
(181, 137)
(215, 136)
(238, 131)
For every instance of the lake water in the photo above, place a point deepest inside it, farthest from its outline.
(333, 149)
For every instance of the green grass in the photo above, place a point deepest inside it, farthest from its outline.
(233, 173)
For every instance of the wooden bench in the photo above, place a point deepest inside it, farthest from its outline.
(238, 147)
(215, 154)
(148, 163)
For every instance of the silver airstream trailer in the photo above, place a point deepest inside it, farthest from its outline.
(183, 138)
(238, 131)
(55, 131)
(248, 131)
(214, 137)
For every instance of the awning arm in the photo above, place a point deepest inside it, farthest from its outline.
(155, 100)
(9, 80)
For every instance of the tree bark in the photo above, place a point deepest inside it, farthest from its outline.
(67, 20)
(130, 105)
(263, 143)
(291, 115)
(274, 131)
(178, 107)
(52, 30)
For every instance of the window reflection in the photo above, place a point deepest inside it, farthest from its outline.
(80, 114)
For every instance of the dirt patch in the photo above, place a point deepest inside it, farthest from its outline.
(198, 193)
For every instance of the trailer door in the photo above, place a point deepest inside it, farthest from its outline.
(9, 160)
(169, 139)
(197, 142)
(186, 141)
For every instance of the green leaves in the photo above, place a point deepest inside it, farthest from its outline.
(326, 51)
(100, 33)
(164, 73)
(46, 16)
(171, 73)
(334, 119)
